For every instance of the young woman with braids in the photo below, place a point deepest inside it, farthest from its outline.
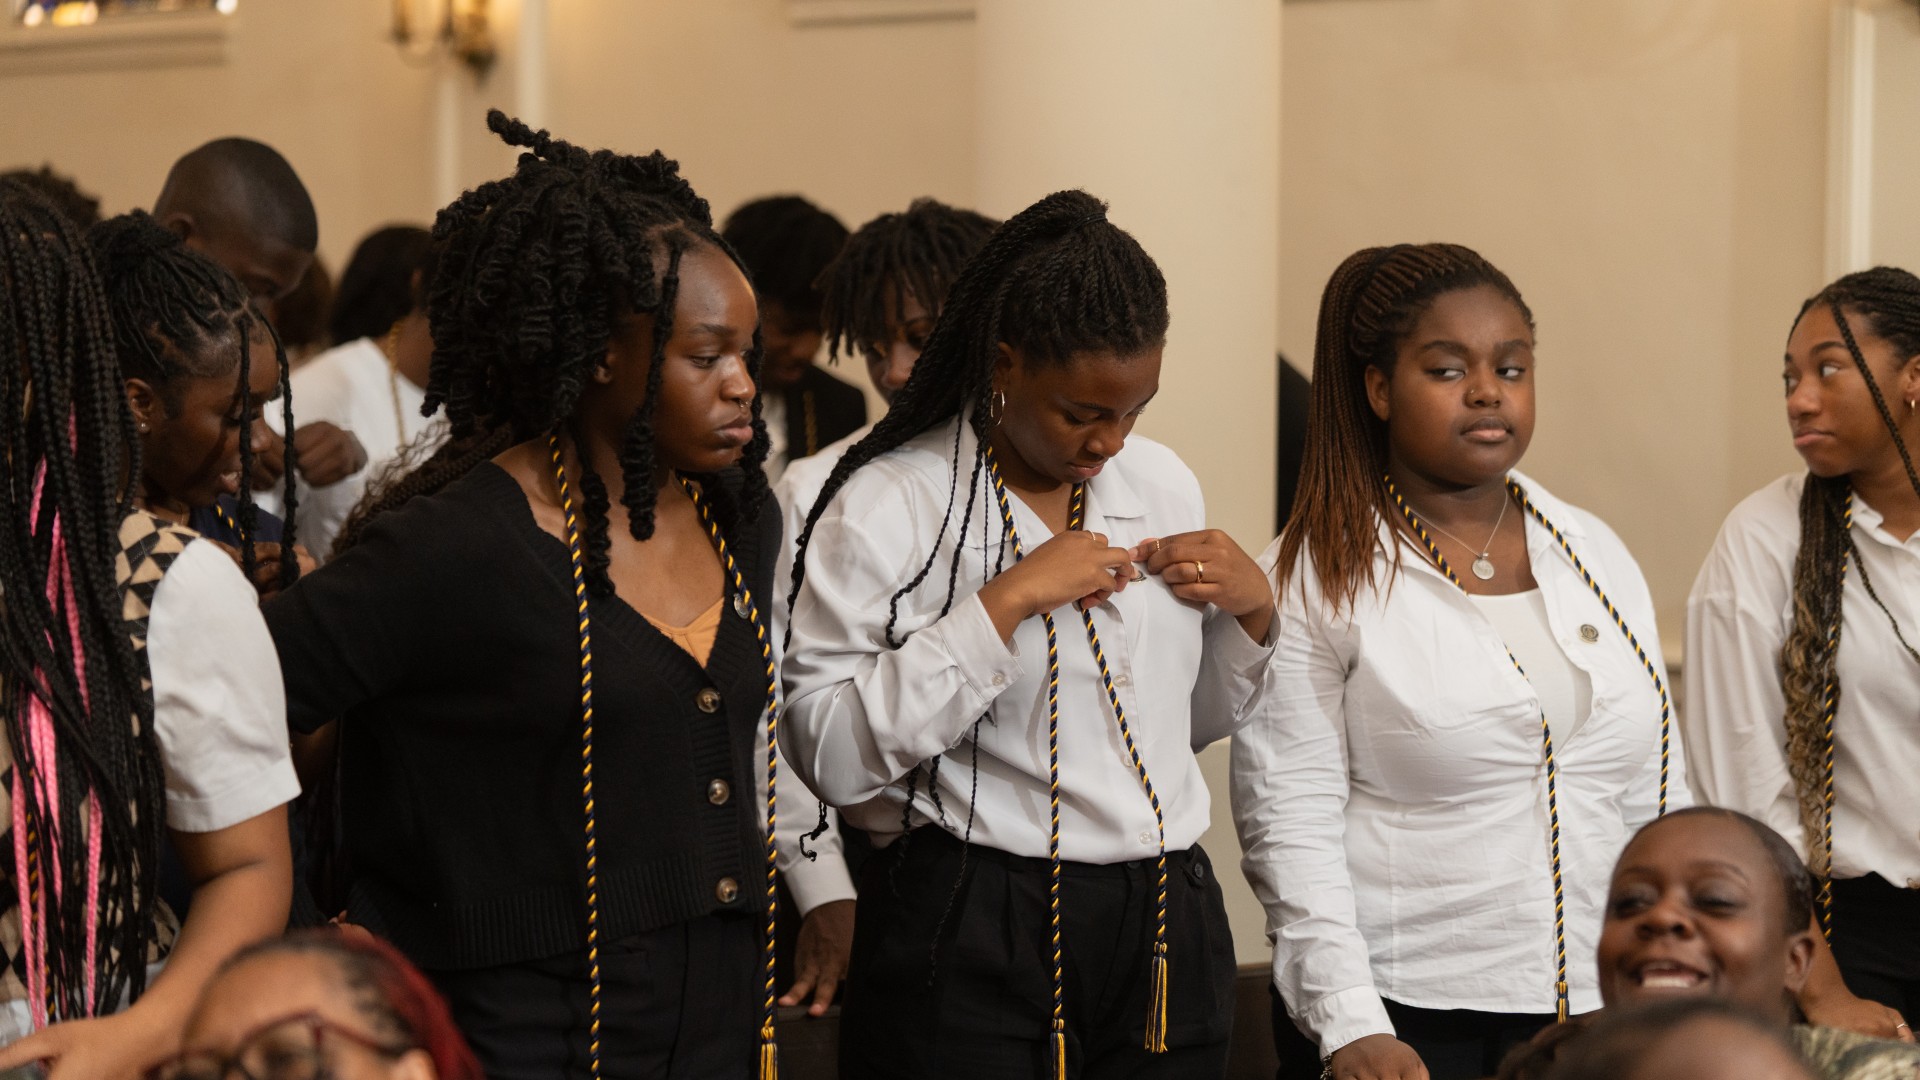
(140, 699)
(882, 294)
(1465, 718)
(1803, 680)
(548, 676)
(980, 678)
(201, 365)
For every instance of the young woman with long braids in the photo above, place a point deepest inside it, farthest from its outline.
(550, 676)
(980, 678)
(1465, 717)
(1803, 679)
(139, 694)
(201, 364)
(882, 294)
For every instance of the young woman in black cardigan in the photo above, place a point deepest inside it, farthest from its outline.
(550, 675)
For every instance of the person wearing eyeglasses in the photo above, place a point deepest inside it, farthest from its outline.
(332, 1004)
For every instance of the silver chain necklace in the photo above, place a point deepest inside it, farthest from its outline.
(1482, 565)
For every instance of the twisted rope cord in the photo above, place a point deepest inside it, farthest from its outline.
(1156, 1028)
(1659, 684)
(1156, 1039)
(1546, 732)
(1832, 707)
(744, 605)
(586, 753)
(1057, 1036)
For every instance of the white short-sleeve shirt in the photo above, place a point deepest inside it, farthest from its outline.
(219, 708)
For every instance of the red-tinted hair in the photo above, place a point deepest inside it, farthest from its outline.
(392, 994)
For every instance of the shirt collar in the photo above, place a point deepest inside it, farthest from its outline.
(1110, 496)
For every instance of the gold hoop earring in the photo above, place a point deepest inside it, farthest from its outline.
(996, 406)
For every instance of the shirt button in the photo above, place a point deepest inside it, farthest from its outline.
(999, 680)
(726, 890)
(1588, 634)
(1122, 680)
(1146, 838)
(718, 792)
(708, 700)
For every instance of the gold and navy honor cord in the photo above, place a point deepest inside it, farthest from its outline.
(1546, 732)
(227, 520)
(1830, 707)
(1156, 1037)
(743, 602)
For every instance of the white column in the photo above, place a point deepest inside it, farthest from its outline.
(530, 63)
(1170, 111)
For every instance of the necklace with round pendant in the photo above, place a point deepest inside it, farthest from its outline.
(1483, 567)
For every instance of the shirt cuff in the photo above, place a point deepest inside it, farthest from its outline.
(988, 664)
(1233, 647)
(1344, 1016)
(819, 881)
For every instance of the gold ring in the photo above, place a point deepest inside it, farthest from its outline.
(1199, 571)
(1156, 545)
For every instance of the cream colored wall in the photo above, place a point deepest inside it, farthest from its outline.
(1895, 206)
(316, 81)
(861, 119)
(1649, 172)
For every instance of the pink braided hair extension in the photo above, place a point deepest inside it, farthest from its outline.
(40, 735)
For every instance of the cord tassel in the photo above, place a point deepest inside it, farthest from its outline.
(1157, 1002)
(1560, 990)
(1059, 1039)
(769, 1054)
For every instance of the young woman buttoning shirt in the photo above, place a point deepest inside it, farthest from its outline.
(1465, 718)
(1010, 629)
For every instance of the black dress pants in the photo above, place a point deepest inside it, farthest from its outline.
(679, 1003)
(952, 972)
(1876, 941)
(1454, 1044)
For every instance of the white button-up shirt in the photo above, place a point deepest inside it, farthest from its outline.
(1390, 791)
(1737, 620)
(861, 714)
(823, 878)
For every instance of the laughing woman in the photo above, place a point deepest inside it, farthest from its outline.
(1460, 733)
(1802, 674)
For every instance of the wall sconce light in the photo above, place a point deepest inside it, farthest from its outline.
(424, 28)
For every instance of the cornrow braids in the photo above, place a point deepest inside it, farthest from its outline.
(1371, 303)
(1886, 301)
(536, 270)
(179, 315)
(919, 253)
(87, 793)
(1055, 280)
